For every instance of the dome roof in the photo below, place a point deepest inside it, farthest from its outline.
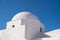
(28, 19)
(24, 15)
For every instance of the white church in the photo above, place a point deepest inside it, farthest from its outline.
(26, 26)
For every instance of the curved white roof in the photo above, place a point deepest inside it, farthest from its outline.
(27, 16)
(24, 15)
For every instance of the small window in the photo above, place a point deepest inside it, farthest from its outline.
(13, 26)
(40, 29)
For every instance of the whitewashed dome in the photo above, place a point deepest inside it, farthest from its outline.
(24, 15)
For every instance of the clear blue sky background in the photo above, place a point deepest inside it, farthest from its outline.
(48, 11)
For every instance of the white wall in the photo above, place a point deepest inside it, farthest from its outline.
(16, 33)
(32, 28)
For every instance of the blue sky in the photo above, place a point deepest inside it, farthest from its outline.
(48, 11)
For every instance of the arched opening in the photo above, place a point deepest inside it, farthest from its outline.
(40, 29)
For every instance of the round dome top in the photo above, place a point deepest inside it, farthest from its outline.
(24, 15)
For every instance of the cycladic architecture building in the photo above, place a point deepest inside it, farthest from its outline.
(26, 26)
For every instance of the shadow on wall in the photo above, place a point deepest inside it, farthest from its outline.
(43, 36)
(40, 36)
